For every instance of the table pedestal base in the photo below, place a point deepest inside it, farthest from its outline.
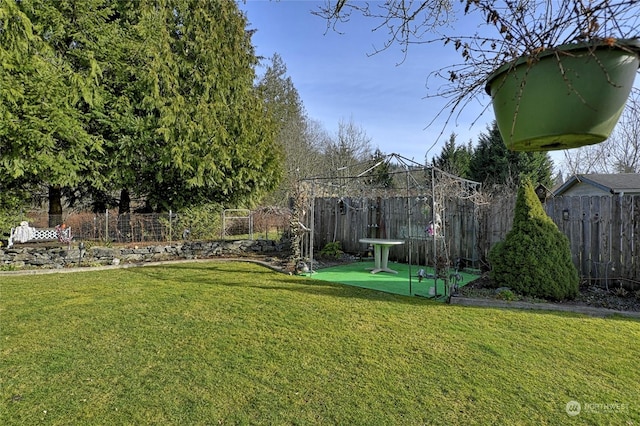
(381, 256)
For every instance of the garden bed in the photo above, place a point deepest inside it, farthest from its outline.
(588, 296)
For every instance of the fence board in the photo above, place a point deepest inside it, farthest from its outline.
(594, 222)
(585, 207)
(626, 237)
(575, 240)
(605, 228)
(616, 235)
(635, 248)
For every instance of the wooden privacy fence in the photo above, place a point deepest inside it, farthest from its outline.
(349, 219)
(603, 231)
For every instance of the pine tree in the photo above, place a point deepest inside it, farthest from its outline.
(284, 105)
(453, 158)
(535, 258)
(493, 164)
(380, 175)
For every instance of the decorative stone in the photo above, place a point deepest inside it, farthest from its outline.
(63, 257)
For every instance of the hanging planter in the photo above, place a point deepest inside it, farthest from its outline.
(564, 98)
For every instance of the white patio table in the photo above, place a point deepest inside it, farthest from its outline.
(381, 253)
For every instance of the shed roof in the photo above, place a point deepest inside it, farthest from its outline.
(628, 183)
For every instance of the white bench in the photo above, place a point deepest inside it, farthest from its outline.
(25, 233)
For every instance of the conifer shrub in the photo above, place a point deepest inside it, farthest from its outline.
(535, 258)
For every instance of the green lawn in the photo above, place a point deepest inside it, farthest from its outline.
(236, 343)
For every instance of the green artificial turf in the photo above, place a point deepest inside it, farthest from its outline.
(236, 343)
(406, 282)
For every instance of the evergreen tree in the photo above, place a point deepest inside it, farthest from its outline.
(454, 159)
(493, 164)
(535, 258)
(213, 139)
(279, 94)
(380, 175)
(43, 134)
(150, 97)
(284, 105)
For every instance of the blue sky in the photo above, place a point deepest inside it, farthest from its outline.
(338, 78)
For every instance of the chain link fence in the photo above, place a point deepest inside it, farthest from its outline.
(266, 223)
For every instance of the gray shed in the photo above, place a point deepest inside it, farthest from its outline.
(600, 184)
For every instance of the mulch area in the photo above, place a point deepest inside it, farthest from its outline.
(589, 296)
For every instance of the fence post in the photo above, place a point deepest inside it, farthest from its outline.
(106, 225)
(222, 231)
(170, 215)
(250, 225)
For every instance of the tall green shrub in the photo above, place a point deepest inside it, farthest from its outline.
(203, 222)
(535, 258)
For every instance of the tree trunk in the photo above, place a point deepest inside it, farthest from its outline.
(55, 206)
(124, 217)
(125, 202)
